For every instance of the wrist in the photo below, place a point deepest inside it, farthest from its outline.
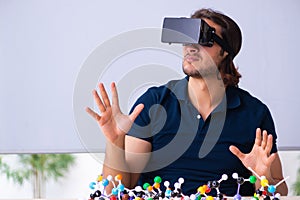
(271, 181)
(119, 142)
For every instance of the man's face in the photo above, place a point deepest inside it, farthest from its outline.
(202, 61)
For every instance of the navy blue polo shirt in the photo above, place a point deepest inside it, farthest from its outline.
(184, 145)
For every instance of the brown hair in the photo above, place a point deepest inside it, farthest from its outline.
(232, 35)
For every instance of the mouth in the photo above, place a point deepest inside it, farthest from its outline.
(191, 59)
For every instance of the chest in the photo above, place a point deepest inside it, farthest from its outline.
(221, 128)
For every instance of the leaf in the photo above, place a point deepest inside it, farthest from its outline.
(48, 165)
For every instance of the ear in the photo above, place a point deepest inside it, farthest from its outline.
(223, 55)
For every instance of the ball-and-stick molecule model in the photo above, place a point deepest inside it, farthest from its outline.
(270, 188)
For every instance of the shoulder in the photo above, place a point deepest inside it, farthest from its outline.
(169, 86)
(245, 97)
(160, 95)
(170, 89)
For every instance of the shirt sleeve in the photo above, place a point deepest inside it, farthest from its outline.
(141, 127)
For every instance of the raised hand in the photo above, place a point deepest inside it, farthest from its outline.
(259, 159)
(113, 123)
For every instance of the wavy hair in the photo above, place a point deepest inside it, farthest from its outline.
(231, 34)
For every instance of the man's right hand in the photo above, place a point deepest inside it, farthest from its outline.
(113, 123)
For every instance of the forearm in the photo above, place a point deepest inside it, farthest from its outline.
(277, 176)
(115, 163)
(282, 189)
(129, 163)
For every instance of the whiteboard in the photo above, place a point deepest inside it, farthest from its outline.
(53, 53)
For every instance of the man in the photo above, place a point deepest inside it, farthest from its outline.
(197, 128)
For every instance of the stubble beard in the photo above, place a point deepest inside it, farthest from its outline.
(199, 72)
(201, 68)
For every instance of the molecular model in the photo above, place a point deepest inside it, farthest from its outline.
(240, 181)
(153, 192)
(261, 193)
(202, 190)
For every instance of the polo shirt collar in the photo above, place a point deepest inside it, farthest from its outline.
(232, 97)
(180, 89)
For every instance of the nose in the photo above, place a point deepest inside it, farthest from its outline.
(191, 48)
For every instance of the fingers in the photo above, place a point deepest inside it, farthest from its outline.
(264, 140)
(101, 103)
(269, 144)
(236, 152)
(104, 102)
(258, 137)
(107, 109)
(98, 101)
(115, 98)
(93, 114)
(104, 95)
(137, 110)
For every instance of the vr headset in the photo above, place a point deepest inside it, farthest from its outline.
(191, 31)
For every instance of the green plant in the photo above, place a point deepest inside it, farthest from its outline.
(38, 168)
(296, 185)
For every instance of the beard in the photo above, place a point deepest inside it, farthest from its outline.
(199, 65)
(199, 72)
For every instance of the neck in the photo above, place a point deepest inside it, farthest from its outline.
(205, 94)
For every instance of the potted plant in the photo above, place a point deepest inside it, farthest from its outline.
(296, 185)
(38, 168)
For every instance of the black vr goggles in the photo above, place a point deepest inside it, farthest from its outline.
(191, 31)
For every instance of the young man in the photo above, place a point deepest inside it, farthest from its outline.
(197, 128)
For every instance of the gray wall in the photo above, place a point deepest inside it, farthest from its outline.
(46, 46)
